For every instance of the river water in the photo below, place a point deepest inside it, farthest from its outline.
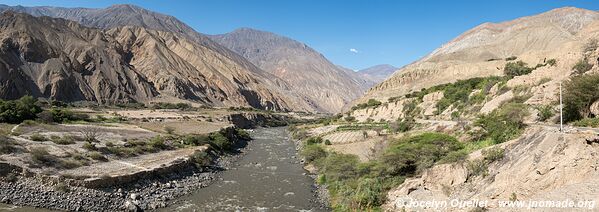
(268, 178)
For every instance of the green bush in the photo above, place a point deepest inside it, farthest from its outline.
(545, 112)
(195, 140)
(327, 142)
(157, 143)
(65, 140)
(89, 146)
(511, 58)
(551, 62)
(403, 125)
(201, 159)
(97, 156)
(37, 137)
(578, 95)
(372, 103)
(493, 154)
(17, 111)
(518, 68)
(166, 105)
(350, 118)
(582, 66)
(412, 154)
(313, 152)
(504, 123)
(587, 122)
(314, 140)
(336, 166)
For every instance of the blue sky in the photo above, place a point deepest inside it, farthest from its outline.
(355, 34)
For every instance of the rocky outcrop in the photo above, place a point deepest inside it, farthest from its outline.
(253, 120)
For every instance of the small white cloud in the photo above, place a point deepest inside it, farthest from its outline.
(353, 50)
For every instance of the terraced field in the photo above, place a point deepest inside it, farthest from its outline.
(345, 137)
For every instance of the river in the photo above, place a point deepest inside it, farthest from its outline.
(268, 178)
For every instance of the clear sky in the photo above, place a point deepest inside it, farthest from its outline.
(355, 34)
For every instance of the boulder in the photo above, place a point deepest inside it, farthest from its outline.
(595, 108)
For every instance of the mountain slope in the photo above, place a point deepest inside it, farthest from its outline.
(481, 51)
(378, 73)
(310, 74)
(63, 60)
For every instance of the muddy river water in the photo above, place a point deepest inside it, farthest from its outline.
(268, 178)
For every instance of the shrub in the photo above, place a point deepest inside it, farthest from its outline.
(327, 142)
(504, 123)
(587, 122)
(409, 155)
(7, 145)
(90, 134)
(195, 140)
(313, 152)
(404, 125)
(97, 156)
(219, 140)
(477, 168)
(65, 140)
(493, 154)
(590, 46)
(37, 137)
(582, 66)
(551, 62)
(337, 166)
(350, 118)
(518, 68)
(201, 159)
(17, 111)
(169, 129)
(89, 146)
(157, 143)
(545, 112)
(511, 58)
(41, 156)
(314, 140)
(579, 93)
(372, 103)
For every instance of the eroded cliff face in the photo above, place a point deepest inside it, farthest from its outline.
(60, 59)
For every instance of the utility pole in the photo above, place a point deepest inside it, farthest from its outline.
(561, 109)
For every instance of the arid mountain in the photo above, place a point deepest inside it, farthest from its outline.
(378, 73)
(481, 51)
(60, 59)
(327, 87)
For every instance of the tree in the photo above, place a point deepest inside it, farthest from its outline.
(579, 93)
(16, 111)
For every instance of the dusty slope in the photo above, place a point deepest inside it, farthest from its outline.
(543, 164)
(327, 87)
(559, 34)
(61, 59)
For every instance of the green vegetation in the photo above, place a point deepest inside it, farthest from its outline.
(545, 112)
(17, 111)
(518, 68)
(64, 140)
(552, 62)
(37, 137)
(511, 58)
(403, 124)
(41, 157)
(582, 66)
(55, 115)
(579, 93)
(201, 159)
(587, 122)
(479, 167)
(350, 118)
(502, 124)
(356, 186)
(372, 103)
(166, 105)
(7, 145)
